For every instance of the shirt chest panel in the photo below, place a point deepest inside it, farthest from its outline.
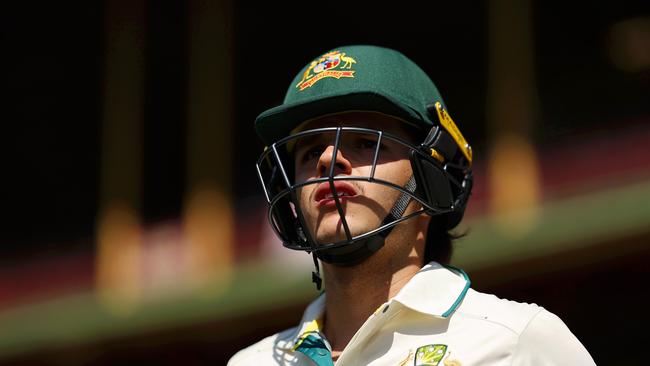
(402, 338)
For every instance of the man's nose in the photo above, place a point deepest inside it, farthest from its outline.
(341, 165)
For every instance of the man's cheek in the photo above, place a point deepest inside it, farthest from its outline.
(303, 199)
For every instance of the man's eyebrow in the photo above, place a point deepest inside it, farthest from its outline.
(306, 140)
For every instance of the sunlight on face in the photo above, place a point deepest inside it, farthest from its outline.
(364, 204)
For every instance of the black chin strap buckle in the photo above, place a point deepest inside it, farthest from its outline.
(315, 276)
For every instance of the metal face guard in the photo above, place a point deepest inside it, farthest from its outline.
(276, 171)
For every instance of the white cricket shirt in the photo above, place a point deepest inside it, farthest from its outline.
(436, 319)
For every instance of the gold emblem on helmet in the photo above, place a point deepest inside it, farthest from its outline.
(333, 64)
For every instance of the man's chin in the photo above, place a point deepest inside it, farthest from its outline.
(336, 237)
(329, 239)
(331, 229)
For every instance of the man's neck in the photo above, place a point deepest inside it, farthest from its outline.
(354, 293)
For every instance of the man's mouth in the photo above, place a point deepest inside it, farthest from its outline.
(324, 196)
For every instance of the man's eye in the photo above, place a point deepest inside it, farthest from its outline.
(367, 144)
(313, 153)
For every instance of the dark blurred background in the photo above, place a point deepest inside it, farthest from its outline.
(134, 226)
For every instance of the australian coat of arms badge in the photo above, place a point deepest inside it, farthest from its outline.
(333, 64)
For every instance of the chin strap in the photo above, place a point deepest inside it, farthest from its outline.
(400, 206)
(315, 276)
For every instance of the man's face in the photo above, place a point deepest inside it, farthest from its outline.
(364, 204)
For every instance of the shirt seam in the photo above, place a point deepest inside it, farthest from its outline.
(521, 333)
(482, 318)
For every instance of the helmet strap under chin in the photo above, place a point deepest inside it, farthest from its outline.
(400, 205)
(315, 276)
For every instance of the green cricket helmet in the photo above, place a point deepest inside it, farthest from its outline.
(374, 79)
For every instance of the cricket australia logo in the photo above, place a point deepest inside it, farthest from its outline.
(333, 64)
(432, 355)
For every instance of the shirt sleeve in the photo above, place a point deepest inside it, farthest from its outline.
(547, 341)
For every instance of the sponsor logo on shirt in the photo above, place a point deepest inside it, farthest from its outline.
(430, 355)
